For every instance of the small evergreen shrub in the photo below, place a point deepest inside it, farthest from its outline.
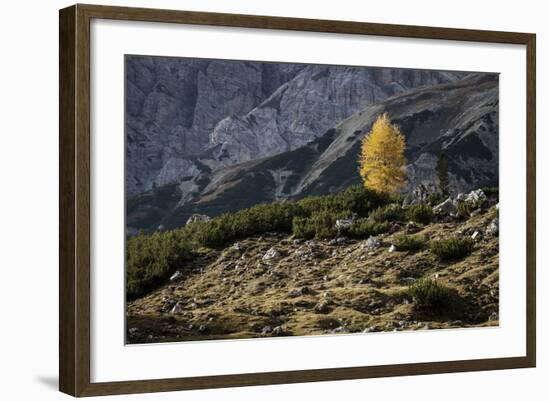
(321, 225)
(391, 212)
(303, 227)
(150, 258)
(420, 213)
(464, 209)
(354, 199)
(408, 242)
(364, 228)
(431, 295)
(452, 248)
(435, 198)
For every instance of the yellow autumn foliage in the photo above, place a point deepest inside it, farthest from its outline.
(382, 161)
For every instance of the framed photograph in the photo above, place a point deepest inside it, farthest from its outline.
(250, 200)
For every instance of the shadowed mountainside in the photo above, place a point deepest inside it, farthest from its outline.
(229, 111)
(459, 117)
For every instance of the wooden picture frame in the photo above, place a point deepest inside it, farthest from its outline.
(74, 204)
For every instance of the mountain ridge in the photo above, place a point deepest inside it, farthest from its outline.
(227, 111)
(459, 117)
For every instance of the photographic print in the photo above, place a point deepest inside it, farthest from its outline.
(268, 199)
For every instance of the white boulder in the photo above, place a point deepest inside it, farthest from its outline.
(176, 276)
(197, 217)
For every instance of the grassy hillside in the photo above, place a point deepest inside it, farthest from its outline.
(411, 276)
(350, 262)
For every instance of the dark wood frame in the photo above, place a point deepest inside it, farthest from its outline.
(74, 199)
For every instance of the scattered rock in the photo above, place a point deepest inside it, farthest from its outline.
(371, 243)
(296, 292)
(176, 309)
(343, 223)
(475, 197)
(408, 280)
(322, 306)
(412, 227)
(475, 213)
(267, 330)
(277, 331)
(492, 228)
(417, 196)
(176, 276)
(339, 330)
(197, 217)
(338, 241)
(461, 197)
(446, 207)
(272, 253)
(237, 246)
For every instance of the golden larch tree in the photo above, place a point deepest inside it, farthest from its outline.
(382, 161)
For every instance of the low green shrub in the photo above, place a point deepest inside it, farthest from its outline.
(420, 213)
(321, 225)
(150, 258)
(436, 198)
(464, 209)
(303, 227)
(431, 295)
(391, 212)
(364, 228)
(354, 199)
(408, 242)
(452, 248)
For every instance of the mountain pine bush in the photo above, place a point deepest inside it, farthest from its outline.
(408, 242)
(452, 248)
(431, 295)
(391, 212)
(420, 213)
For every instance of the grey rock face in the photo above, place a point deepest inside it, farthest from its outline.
(226, 112)
(173, 104)
(304, 108)
(460, 117)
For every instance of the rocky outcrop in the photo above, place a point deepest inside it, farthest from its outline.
(173, 104)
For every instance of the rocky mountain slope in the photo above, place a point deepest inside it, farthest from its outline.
(459, 117)
(275, 285)
(185, 116)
